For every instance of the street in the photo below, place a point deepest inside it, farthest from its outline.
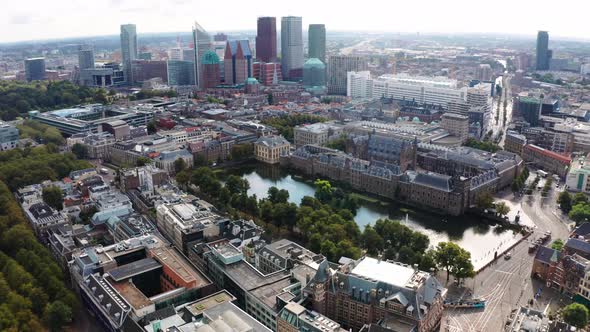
(507, 284)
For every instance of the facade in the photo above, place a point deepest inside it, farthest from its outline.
(483, 72)
(167, 158)
(514, 142)
(237, 62)
(456, 124)
(128, 50)
(543, 53)
(9, 136)
(85, 57)
(291, 46)
(211, 70)
(107, 75)
(268, 73)
(144, 70)
(370, 290)
(35, 69)
(423, 90)
(338, 68)
(296, 318)
(578, 175)
(529, 108)
(547, 160)
(269, 149)
(202, 43)
(180, 73)
(314, 73)
(316, 134)
(266, 39)
(317, 42)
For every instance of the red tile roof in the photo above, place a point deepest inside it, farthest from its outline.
(550, 154)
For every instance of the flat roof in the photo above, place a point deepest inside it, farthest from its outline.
(132, 269)
(390, 273)
(198, 307)
(133, 295)
(169, 257)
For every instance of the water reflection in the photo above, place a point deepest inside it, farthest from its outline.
(471, 233)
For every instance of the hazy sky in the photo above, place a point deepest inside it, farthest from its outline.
(45, 19)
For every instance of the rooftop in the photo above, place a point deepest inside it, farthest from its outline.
(168, 256)
(390, 273)
(198, 307)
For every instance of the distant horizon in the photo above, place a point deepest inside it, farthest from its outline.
(38, 20)
(328, 32)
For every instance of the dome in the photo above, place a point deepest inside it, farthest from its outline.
(251, 81)
(314, 63)
(210, 58)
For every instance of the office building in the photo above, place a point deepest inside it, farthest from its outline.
(181, 73)
(544, 54)
(105, 75)
(316, 134)
(220, 37)
(8, 136)
(266, 39)
(423, 90)
(483, 72)
(317, 42)
(338, 68)
(269, 149)
(35, 69)
(128, 49)
(90, 118)
(291, 47)
(268, 73)
(548, 161)
(85, 57)
(144, 70)
(578, 175)
(529, 108)
(296, 318)
(237, 62)
(314, 73)
(211, 70)
(457, 125)
(202, 44)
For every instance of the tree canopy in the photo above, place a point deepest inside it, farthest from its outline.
(575, 314)
(454, 259)
(18, 98)
(53, 196)
(285, 124)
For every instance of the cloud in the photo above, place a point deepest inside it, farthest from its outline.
(20, 19)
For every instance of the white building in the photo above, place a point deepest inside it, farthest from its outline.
(317, 133)
(424, 90)
(8, 136)
(577, 177)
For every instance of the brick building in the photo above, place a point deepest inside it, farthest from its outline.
(549, 161)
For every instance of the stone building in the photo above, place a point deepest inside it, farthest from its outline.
(269, 149)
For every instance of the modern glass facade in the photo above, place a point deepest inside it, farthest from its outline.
(317, 42)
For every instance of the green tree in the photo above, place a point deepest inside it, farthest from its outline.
(580, 213)
(80, 150)
(323, 190)
(565, 201)
(57, 315)
(502, 209)
(372, 241)
(580, 198)
(484, 201)
(242, 151)
(179, 165)
(454, 259)
(575, 314)
(142, 161)
(557, 244)
(53, 196)
(151, 127)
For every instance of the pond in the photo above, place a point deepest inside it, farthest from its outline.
(473, 234)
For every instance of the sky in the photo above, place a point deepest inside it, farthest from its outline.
(51, 19)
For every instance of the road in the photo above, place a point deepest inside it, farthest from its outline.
(506, 284)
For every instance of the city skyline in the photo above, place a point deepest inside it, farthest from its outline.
(458, 16)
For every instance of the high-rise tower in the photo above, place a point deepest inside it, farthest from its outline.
(292, 47)
(543, 52)
(128, 49)
(202, 42)
(266, 39)
(317, 42)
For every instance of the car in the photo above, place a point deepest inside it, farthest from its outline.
(507, 256)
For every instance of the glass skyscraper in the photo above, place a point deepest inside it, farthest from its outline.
(292, 47)
(202, 42)
(266, 39)
(317, 42)
(128, 49)
(543, 52)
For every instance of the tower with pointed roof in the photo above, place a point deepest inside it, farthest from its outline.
(237, 61)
